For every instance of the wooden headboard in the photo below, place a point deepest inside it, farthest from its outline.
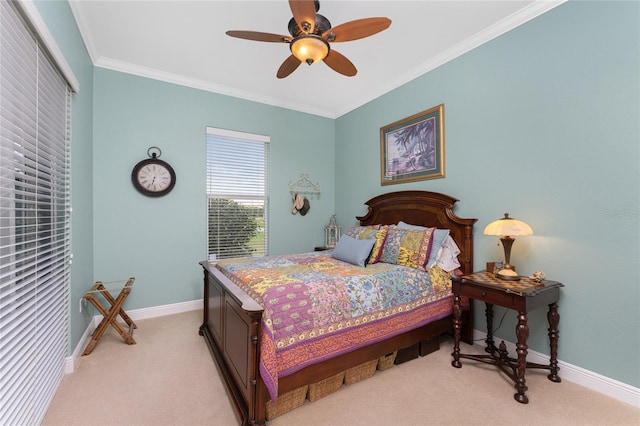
(424, 208)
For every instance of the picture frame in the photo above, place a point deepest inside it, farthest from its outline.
(412, 149)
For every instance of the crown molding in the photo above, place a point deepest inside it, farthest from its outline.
(154, 74)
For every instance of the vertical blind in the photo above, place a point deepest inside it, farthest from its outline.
(34, 221)
(237, 200)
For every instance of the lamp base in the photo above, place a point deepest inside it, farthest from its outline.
(508, 274)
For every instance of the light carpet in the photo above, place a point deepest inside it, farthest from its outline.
(168, 378)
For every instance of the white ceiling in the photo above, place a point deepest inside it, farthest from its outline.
(184, 42)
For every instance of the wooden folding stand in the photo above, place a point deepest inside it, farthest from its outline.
(110, 316)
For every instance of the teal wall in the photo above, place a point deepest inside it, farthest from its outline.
(62, 26)
(161, 240)
(543, 123)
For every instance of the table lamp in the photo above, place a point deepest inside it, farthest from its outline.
(507, 227)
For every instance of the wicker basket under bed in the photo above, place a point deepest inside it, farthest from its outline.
(386, 362)
(315, 391)
(360, 372)
(287, 402)
(325, 387)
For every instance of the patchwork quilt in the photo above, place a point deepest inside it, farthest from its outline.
(317, 307)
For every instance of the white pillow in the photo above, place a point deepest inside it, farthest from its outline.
(447, 257)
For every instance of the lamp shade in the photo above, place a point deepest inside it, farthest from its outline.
(508, 226)
(309, 48)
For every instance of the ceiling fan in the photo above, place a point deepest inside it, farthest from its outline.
(311, 35)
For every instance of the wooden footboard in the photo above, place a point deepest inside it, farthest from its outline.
(231, 327)
(232, 320)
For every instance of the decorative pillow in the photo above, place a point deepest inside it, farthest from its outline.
(362, 232)
(407, 247)
(377, 248)
(440, 279)
(352, 250)
(438, 240)
(448, 256)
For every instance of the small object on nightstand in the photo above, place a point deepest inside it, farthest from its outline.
(490, 267)
(538, 276)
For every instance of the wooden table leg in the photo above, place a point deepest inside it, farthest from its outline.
(554, 319)
(522, 332)
(488, 311)
(457, 325)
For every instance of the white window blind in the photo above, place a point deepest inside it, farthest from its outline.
(34, 221)
(238, 203)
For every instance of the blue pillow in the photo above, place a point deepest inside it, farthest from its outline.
(353, 251)
(438, 240)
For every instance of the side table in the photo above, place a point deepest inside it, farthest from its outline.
(523, 295)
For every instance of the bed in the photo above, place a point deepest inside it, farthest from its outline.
(234, 324)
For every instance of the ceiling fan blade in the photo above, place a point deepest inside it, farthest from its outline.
(288, 66)
(258, 36)
(354, 30)
(304, 11)
(339, 63)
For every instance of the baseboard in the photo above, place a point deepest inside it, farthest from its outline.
(136, 315)
(71, 361)
(594, 381)
(160, 311)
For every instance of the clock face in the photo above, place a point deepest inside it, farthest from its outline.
(153, 177)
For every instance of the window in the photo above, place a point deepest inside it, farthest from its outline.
(238, 205)
(34, 217)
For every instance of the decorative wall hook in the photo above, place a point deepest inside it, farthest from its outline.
(304, 186)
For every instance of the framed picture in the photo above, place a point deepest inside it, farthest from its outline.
(412, 149)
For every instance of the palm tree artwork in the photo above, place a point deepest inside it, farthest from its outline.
(415, 148)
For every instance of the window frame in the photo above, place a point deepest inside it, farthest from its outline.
(249, 175)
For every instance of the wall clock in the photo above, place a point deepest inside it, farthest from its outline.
(153, 177)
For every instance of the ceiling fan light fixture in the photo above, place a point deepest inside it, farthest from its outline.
(312, 37)
(309, 48)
